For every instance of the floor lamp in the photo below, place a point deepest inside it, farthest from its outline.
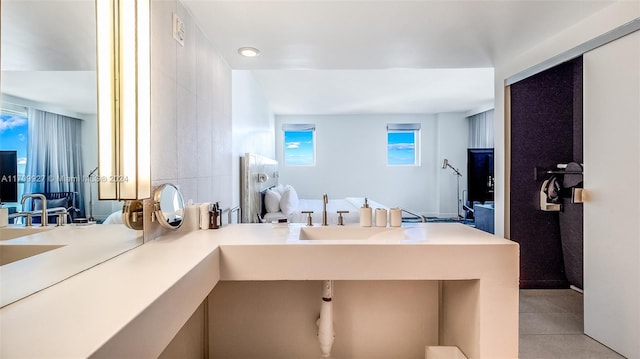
(91, 219)
(445, 164)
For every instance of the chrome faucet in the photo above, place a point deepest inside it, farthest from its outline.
(43, 217)
(325, 200)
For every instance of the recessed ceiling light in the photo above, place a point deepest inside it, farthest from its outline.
(249, 51)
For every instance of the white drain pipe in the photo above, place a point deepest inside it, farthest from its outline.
(326, 334)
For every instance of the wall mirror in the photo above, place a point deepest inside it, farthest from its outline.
(48, 63)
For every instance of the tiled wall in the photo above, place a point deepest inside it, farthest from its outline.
(190, 109)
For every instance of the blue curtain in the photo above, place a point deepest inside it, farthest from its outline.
(54, 155)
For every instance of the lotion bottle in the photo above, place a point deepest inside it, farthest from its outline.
(365, 214)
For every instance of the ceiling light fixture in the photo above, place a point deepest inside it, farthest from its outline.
(248, 51)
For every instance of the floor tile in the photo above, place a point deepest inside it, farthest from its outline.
(566, 301)
(563, 346)
(552, 326)
(551, 323)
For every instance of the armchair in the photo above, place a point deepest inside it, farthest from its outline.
(65, 200)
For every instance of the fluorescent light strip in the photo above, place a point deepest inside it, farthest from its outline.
(106, 98)
(124, 103)
(128, 102)
(144, 99)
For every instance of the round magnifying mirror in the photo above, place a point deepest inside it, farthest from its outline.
(169, 206)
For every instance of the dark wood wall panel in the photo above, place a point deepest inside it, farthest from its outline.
(543, 110)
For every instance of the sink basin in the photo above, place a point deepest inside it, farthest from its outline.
(14, 252)
(16, 231)
(348, 233)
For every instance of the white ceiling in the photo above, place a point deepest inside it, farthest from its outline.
(48, 53)
(378, 34)
(359, 56)
(322, 56)
(396, 91)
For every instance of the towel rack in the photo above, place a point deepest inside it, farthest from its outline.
(422, 218)
(542, 173)
(230, 212)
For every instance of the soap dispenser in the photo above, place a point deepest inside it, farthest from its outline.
(215, 216)
(365, 214)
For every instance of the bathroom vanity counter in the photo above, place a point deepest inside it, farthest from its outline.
(64, 251)
(134, 304)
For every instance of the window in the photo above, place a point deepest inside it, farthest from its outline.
(403, 140)
(299, 144)
(13, 137)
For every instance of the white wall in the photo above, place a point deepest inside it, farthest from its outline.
(453, 141)
(252, 123)
(604, 21)
(351, 161)
(190, 109)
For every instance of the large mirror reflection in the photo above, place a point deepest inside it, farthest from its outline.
(48, 89)
(48, 112)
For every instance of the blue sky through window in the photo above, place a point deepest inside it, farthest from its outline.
(298, 148)
(13, 137)
(401, 148)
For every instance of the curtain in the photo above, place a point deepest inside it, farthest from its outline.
(481, 130)
(54, 155)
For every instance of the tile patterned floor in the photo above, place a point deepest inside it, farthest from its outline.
(551, 327)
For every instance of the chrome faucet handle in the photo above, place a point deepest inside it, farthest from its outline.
(43, 216)
(325, 200)
(28, 220)
(309, 219)
(61, 218)
(340, 219)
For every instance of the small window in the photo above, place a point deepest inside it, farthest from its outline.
(14, 130)
(403, 141)
(299, 144)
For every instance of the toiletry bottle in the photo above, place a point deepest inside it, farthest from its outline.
(381, 217)
(213, 216)
(219, 221)
(365, 214)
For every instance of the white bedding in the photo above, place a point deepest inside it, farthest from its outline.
(114, 218)
(351, 204)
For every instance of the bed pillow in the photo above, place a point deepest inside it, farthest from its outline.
(272, 201)
(280, 188)
(289, 200)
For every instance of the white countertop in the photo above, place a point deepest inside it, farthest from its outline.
(113, 310)
(81, 248)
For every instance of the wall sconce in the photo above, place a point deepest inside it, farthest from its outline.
(124, 99)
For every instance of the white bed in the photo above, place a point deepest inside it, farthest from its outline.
(293, 211)
(260, 177)
(114, 218)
